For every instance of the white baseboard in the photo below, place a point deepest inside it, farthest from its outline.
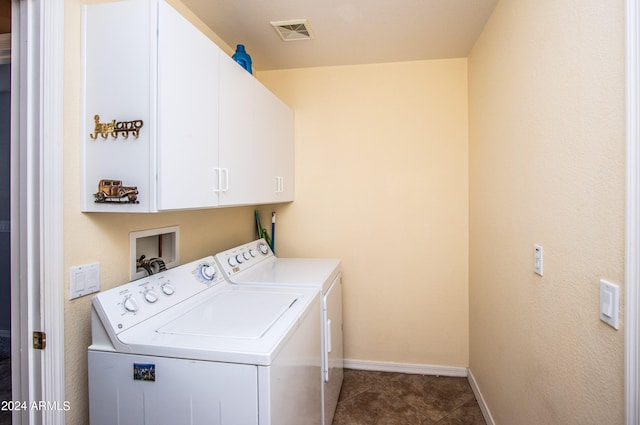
(480, 399)
(416, 369)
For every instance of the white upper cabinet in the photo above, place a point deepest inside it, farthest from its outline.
(118, 87)
(250, 118)
(208, 133)
(188, 87)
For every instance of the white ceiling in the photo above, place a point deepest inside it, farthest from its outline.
(347, 32)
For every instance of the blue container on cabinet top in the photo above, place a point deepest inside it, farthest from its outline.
(242, 57)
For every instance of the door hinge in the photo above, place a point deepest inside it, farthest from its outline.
(39, 340)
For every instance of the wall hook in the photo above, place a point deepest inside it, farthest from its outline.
(114, 128)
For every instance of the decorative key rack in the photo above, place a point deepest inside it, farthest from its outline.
(114, 128)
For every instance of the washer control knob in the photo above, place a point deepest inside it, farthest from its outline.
(246, 255)
(232, 261)
(167, 289)
(130, 305)
(239, 259)
(150, 296)
(264, 249)
(252, 252)
(208, 272)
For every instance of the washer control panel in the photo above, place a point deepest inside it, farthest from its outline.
(243, 257)
(131, 303)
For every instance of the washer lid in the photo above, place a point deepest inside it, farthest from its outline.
(242, 315)
(263, 320)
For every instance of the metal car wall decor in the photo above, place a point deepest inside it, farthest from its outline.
(110, 190)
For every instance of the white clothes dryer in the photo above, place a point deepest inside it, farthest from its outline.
(255, 264)
(186, 347)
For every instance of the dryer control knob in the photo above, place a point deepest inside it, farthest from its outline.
(264, 249)
(150, 297)
(239, 259)
(208, 272)
(247, 256)
(252, 253)
(130, 305)
(167, 289)
(232, 261)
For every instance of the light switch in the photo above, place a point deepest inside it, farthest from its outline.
(609, 303)
(84, 280)
(81, 280)
(538, 260)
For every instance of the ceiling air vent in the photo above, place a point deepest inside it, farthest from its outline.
(297, 29)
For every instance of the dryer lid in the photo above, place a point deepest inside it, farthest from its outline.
(314, 272)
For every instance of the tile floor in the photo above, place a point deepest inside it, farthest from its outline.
(385, 398)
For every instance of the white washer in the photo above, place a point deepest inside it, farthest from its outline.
(255, 264)
(186, 347)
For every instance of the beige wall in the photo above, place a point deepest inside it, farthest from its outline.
(390, 170)
(381, 182)
(546, 114)
(105, 237)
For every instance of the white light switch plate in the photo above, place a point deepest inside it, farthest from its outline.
(538, 260)
(609, 303)
(84, 280)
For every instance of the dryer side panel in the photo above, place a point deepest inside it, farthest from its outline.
(333, 362)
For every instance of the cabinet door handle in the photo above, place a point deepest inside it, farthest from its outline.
(279, 184)
(222, 187)
(219, 173)
(226, 179)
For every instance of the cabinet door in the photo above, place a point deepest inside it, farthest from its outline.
(285, 141)
(275, 125)
(188, 86)
(117, 40)
(241, 149)
(256, 140)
